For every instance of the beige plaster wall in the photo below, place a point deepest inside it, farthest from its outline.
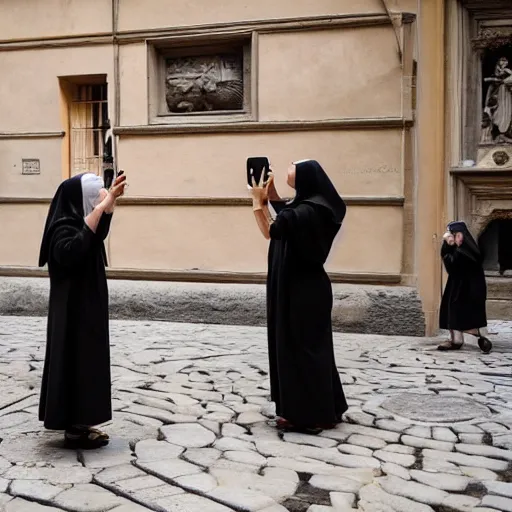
(13, 183)
(24, 19)
(33, 76)
(329, 74)
(227, 239)
(359, 162)
(311, 75)
(29, 19)
(306, 75)
(364, 229)
(207, 238)
(22, 225)
(133, 79)
(135, 14)
(404, 5)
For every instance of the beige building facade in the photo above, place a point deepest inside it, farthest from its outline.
(389, 96)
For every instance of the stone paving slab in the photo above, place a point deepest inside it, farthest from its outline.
(193, 428)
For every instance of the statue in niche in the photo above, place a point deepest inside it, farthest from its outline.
(204, 84)
(497, 115)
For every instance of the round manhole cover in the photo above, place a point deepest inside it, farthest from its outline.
(435, 408)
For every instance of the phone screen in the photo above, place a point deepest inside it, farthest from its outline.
(108, 177)
(256, 166)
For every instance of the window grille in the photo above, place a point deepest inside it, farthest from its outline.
(88, 125)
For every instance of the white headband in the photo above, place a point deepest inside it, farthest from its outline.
(91, 186)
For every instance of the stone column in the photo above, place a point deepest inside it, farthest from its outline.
(430, 157)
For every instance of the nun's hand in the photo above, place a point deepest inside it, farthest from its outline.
(448, 238)
(259, 191)
(116, 191)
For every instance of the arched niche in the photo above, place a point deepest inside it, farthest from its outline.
(495, 241)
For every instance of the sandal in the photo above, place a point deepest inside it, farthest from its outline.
(283, 424)
(449, 345)
(484, 344)
(286, 426)
(85, 438)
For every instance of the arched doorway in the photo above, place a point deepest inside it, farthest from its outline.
(496, 246)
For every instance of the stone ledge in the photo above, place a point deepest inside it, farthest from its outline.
(499, 309)
(386, 310)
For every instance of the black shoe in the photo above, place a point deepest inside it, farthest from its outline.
(79, 438)
(484, 344)
(447, 345)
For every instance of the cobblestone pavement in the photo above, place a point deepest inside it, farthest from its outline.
(192, 428)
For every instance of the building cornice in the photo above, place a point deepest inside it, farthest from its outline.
(396, 201)
(197, 276)
(232, 28)
(359, 123)
(31, 135)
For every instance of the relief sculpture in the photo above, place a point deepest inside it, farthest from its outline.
(497, 115)
(204, 84)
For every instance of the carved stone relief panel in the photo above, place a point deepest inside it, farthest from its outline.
(206, 83)
(497, 96)
(494, 47)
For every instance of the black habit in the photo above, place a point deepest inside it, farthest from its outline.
(76, 378)
(463, 303)
(304, 380)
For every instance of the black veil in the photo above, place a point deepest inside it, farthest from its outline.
(66, 208)
(312, 185)
(469, 246)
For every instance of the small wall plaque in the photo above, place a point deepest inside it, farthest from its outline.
(31, 166)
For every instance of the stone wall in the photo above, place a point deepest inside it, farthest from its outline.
(359, 309)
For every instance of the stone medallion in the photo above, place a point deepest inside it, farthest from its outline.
(435, 408)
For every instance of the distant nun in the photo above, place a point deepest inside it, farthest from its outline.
(464, 298)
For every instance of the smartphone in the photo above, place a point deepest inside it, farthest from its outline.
(108, 177)
(256, 166)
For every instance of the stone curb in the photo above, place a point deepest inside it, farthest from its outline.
(358, 309)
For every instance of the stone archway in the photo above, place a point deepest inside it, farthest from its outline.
(483, 219)
(495, 242)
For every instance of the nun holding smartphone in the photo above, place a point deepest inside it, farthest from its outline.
(463, 306)
(304, 380)
(75, 392)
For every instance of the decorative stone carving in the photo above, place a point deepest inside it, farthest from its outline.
(500, 158)
(204, 83)
(495, 157)
(497, 114)
(492, 38)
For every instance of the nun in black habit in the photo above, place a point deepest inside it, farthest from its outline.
(304, 381)
(463, 303)
(75, 392)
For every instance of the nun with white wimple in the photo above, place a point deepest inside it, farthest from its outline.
(75, 392)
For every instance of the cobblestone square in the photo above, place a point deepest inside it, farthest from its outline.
(192, 429)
